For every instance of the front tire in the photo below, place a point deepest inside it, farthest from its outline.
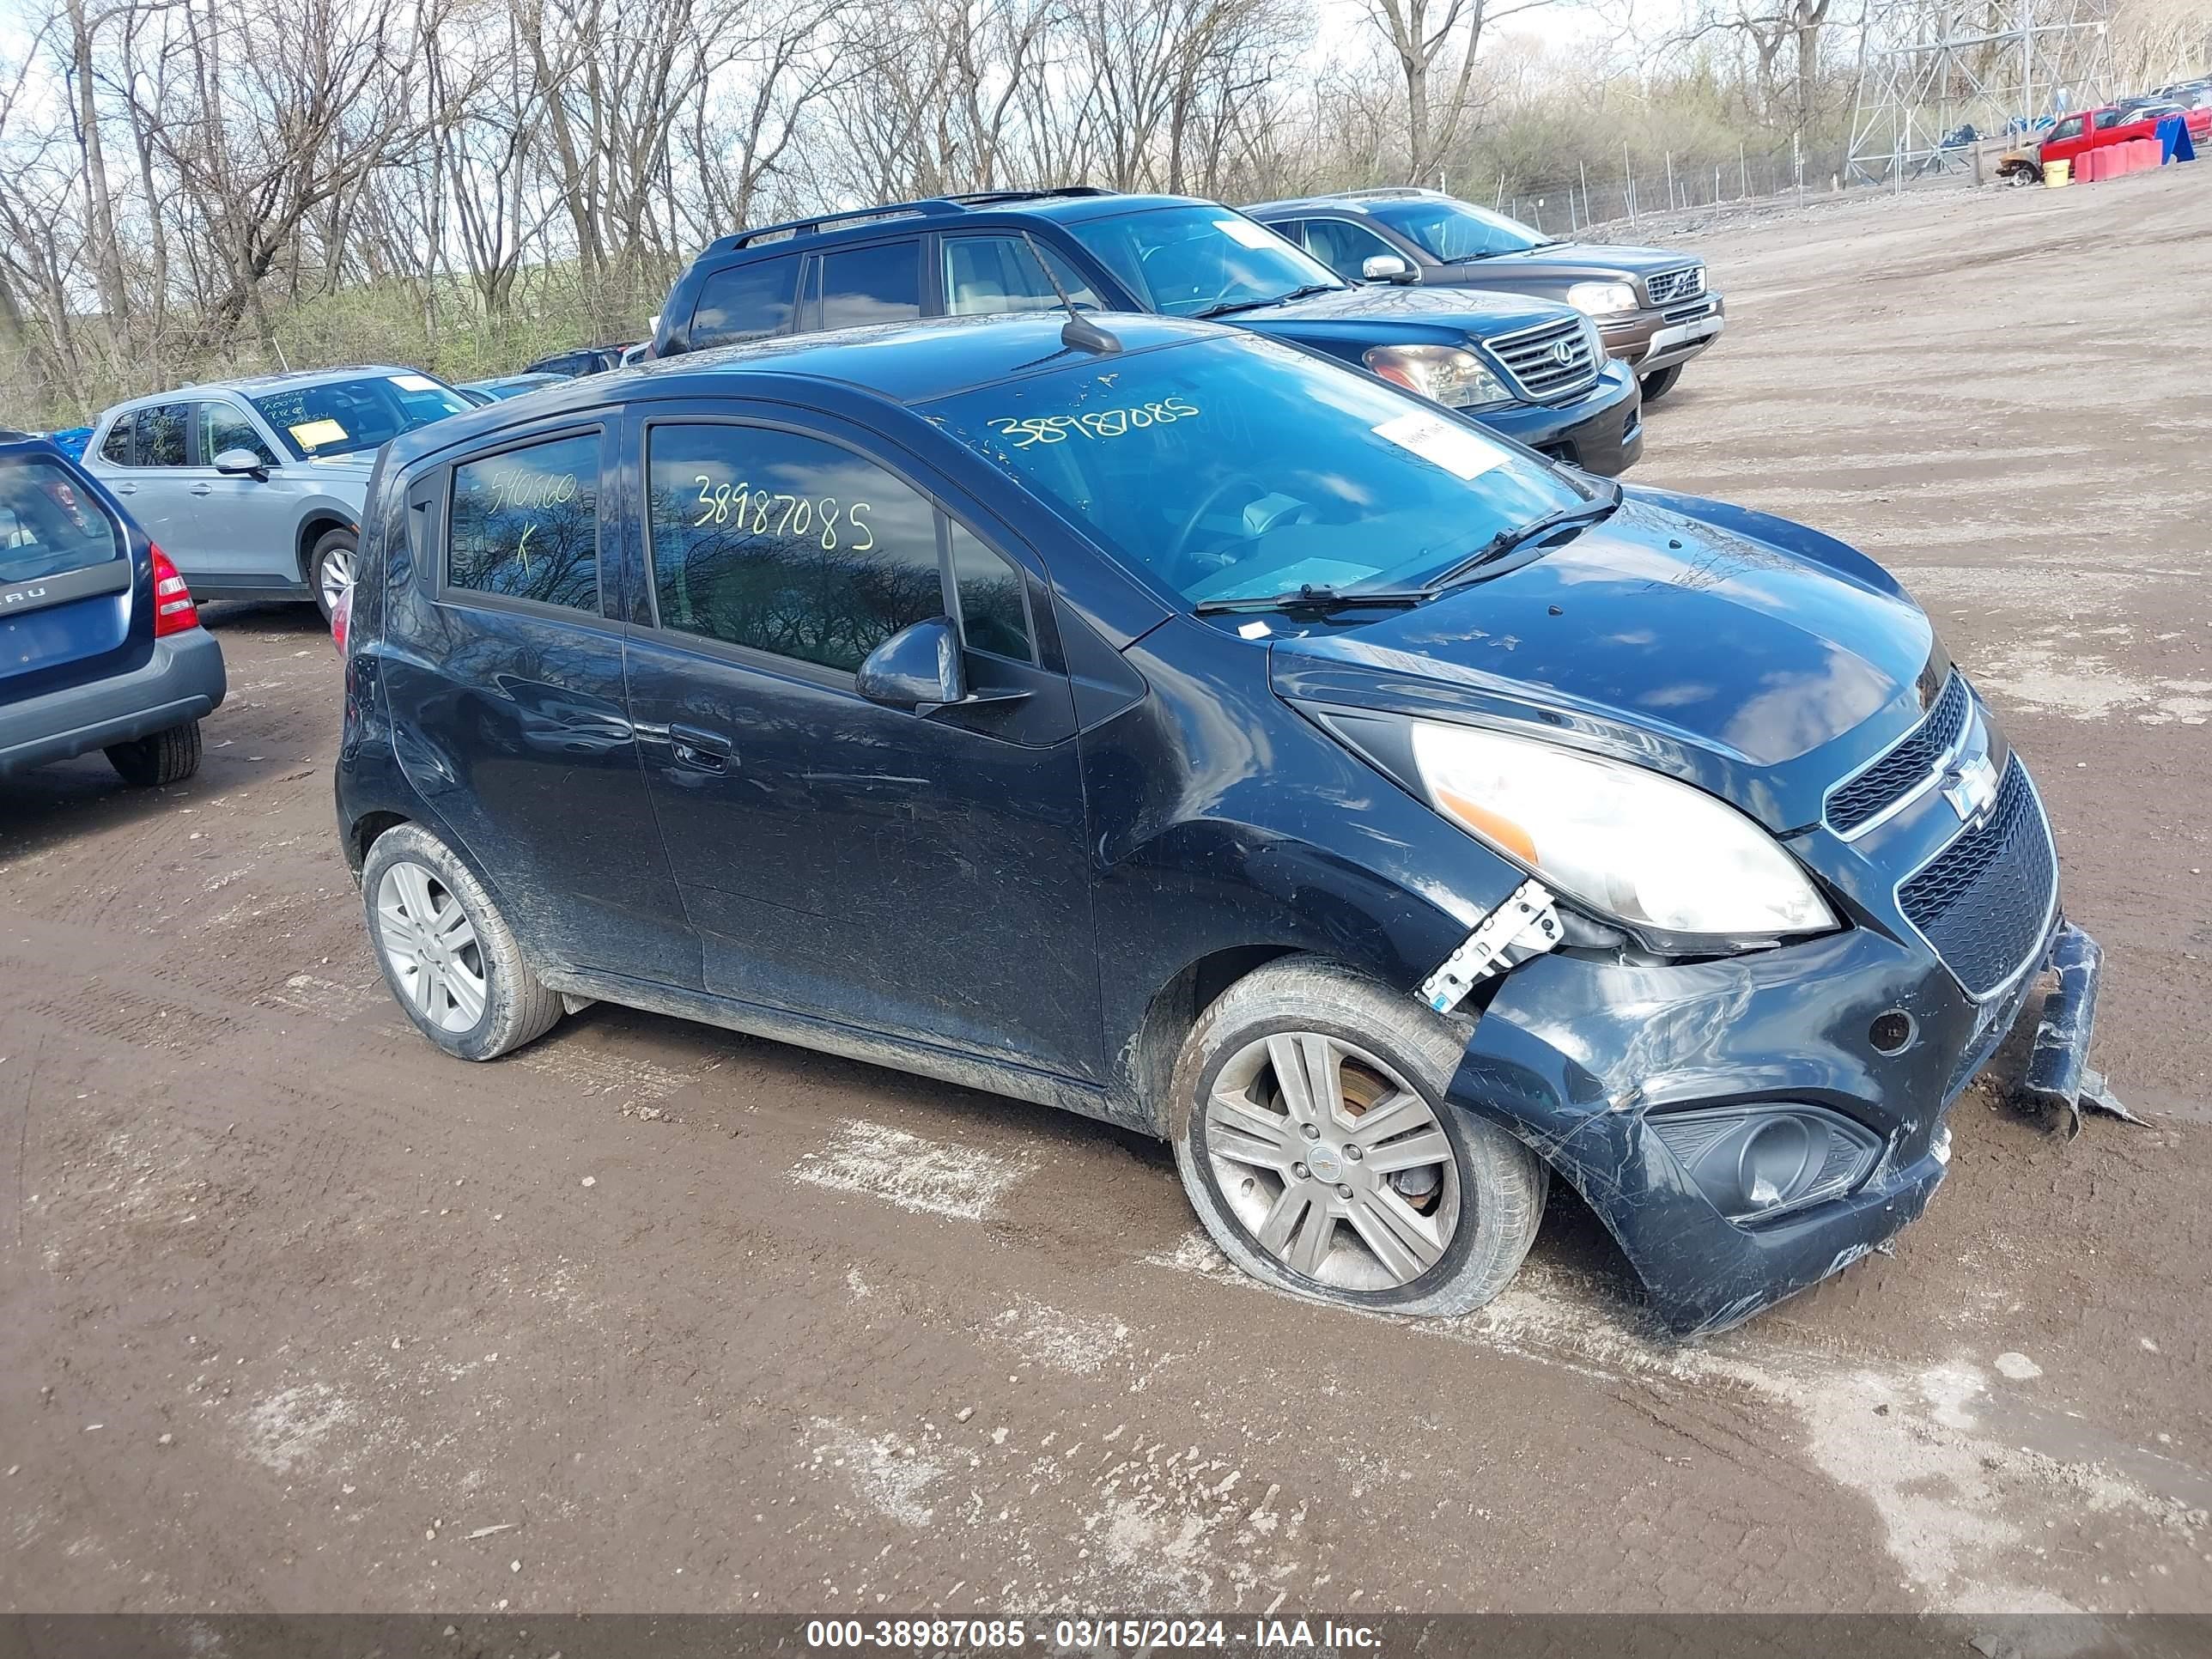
(162, 758)
(448, 954)
(1315, 1140)
(330, 568)
(1660, 381)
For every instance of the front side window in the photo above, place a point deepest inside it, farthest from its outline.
(865, 285)
(994, 614)
(349, 418)
(1241, 468)
(222, 426)
(787, 543)
(48, 524)
(162, 435)
(116, 446)
(2069, 128)
(524, 524)
(1456, 231)
(1345, 248)
(985, 276)
(745, 302)
(1200, 261)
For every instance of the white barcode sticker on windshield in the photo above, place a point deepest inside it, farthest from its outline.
(1464, 453)
(1246, 232)
(414, 383)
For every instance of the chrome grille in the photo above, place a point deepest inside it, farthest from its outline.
(1983, 901)
(1864, 797)
(1556, 361)
(1671, 287)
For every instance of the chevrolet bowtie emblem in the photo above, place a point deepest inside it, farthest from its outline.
(1970, 784)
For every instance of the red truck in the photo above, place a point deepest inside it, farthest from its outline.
(2093, 129)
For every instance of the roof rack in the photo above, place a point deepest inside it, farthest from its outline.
(1387, 193)
(929, 207)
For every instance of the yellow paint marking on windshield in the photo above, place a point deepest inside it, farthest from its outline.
(313, 435)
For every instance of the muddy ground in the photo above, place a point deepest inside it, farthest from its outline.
(300, 1315)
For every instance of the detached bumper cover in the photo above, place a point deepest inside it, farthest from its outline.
(1575, 1057)
(182, 681)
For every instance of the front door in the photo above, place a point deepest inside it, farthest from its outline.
(922, 876)
(235, 528)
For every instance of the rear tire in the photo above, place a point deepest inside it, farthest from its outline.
(164, 757)
(1660, 381)
(1358, 1182)
(331, 567)
(447, 953)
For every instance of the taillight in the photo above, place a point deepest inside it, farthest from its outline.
(341, 618)
(173, 610)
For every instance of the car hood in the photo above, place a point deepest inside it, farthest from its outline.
(1754, 670)
(1568, 262)
(340, 468)
(1387, 312)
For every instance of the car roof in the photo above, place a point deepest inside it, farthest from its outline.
(1068, 205)
(257, 386)
(1347, 201)
(900, 364)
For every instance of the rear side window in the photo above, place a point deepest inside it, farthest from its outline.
(116, 446)
(745, 302)
(162, 435)
(48, 524)
(863, 285)
(524, 524)
(986, 275)
(787, 543)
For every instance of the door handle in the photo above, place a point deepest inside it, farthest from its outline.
(700, 750)
(203, 489)
(125, 488)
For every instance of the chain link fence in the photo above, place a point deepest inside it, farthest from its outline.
(1566, 203)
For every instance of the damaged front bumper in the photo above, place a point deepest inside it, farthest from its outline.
(1577, 1057)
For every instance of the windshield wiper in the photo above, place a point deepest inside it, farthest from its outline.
(1515, 537)
(1228, 306)
(1315, 597)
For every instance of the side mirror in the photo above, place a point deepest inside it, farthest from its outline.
(918, 668)
(1385, 268)
(242, 463)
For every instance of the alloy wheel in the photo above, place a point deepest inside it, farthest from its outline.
(1336, 1168)
(432, 946)
(334, 576)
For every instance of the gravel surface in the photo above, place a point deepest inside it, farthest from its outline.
(300, 1315)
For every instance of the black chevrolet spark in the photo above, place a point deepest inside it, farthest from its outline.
(1164, 723)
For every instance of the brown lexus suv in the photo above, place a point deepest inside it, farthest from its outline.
(1653, 308)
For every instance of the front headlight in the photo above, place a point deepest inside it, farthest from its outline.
(1628, 844)
(1445, 374)
(1602, 299)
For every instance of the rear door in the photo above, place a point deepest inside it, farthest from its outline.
(76, 605)
(503, 672)
(153, 486)
(922, 876)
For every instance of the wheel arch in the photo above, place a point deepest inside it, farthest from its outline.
(315, 525)
(1148, 1059)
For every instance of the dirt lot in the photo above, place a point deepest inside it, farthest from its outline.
(300, 1315)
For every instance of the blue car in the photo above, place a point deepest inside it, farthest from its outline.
(1161, 722)
(1532, 369)
(100, 645)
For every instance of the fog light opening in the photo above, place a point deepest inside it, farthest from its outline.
(1892, 1033)
(1773, 1161)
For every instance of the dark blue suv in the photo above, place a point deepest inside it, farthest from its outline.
(1155, 720)
(100, 644)
(1532, 369)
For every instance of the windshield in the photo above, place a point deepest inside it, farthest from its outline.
(1193, 261)
(1241, 468)
(342, 417)
(48, 524)
(1454, 231)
